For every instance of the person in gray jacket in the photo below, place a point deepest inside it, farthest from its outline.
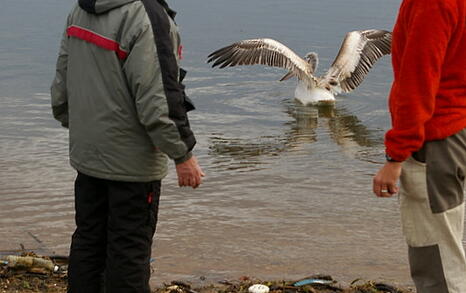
(118, 89)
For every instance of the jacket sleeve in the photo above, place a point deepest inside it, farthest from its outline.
(58, 90)
(144, 76)
(412, 99)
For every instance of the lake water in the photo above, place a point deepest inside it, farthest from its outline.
(288, 188)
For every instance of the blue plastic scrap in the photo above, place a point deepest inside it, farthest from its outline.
(312, 281)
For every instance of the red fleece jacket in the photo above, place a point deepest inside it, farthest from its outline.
(428, 95)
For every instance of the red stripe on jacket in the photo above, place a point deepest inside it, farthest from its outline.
(96, 39)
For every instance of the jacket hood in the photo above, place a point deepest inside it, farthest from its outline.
(171, 12)
(101, 6)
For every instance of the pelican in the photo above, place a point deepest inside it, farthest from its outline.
(359, 51)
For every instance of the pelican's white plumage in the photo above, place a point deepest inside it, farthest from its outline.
(359, 51)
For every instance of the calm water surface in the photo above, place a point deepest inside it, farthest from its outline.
(288, 188)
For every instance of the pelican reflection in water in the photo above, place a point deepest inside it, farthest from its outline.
(344, 128)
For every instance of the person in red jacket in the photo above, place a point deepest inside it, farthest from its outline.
(426, 146)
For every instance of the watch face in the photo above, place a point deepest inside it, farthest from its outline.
(390, 159)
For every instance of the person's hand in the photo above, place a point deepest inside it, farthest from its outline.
(189, 173)
(384, 183)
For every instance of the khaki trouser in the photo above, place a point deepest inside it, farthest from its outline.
(432, 212)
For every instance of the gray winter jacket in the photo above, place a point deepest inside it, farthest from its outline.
(118, 90)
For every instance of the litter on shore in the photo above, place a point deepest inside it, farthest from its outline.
(30, 273)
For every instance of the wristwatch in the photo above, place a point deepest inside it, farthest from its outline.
(390, 159)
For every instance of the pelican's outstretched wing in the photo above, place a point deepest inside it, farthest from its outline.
(358, 53)
(262, 51)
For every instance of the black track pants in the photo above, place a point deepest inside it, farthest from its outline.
(111, 246)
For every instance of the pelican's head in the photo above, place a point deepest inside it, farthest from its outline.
(313, 59)
(310, 56)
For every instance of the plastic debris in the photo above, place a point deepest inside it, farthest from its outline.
(28, 262)
(312, 281)
(258, 288)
